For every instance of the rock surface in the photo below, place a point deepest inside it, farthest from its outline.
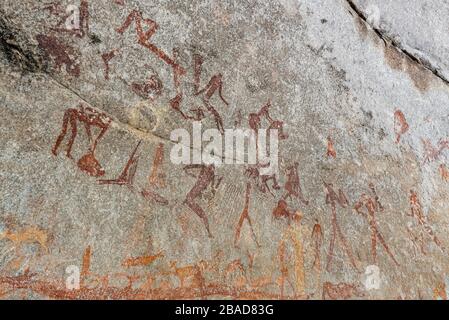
(359, 208)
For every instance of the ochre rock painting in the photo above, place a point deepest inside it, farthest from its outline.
(347, 111)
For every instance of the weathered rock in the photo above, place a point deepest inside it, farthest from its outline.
(363, 170)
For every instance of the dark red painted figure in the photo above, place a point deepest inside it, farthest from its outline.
(90, 118)
(151, 89)
(215, 84)
(317, 238)
(145, 36)
(373, 205)
(253, 172)
(107, 57)
(293, 185)
(255, 121)
(332, 199)
(205, 178)
(126, 178)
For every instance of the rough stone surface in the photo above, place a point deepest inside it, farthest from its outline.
(363, 101)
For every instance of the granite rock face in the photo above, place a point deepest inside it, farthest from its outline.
(91, 92)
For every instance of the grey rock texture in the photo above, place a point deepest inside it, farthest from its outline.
(359, 88)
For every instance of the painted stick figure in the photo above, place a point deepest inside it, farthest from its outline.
(317, 238)
(434, 152)
(144, 37)
(126, 178)
(372, 206)
(205, 178)
(215, 84)
(333, 199)
(255, 121)
(156, 179)
(107, 57)
(245, 216)
(417, 212)
(400, 125)
(293, 186)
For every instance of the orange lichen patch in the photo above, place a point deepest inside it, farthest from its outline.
(330, 148)
(27, 235)
(444, 172)
(400, 125)
(439, 293)
(141, 261)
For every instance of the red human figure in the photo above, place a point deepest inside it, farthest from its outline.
(107, 57)
(245, 216)
(293, 185)
(330, 148)
(90, 118)
(126, 178)
(400, 125)
(333, 199)
(215, 84)
(433, 153)
(417, 241)
(144, 37)
(317, 238)
(255, 121)
(282, 211)
(205, 178)
(417, 212)
(156, 179)
(372, 206)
